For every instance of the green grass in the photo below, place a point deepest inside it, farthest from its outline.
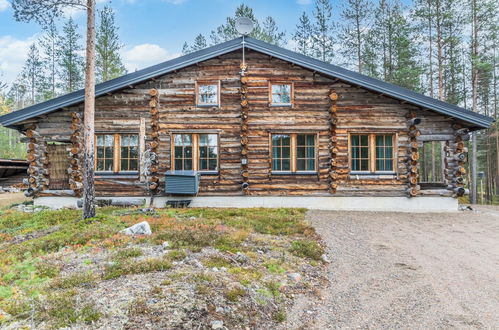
(128, 253)
(74, 280)
(234, 294)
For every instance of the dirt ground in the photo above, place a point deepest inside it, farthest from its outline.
(396, 270)
(7, 199)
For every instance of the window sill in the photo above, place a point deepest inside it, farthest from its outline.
(372, 175)
(208, 105)
(117, 175)
(280, 105)
(203, 173)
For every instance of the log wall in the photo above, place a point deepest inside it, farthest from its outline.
(314, 110)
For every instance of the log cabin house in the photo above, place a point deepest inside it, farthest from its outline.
(279, 129)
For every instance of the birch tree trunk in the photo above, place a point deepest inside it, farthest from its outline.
(89, 109)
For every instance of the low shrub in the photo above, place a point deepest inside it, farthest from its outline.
(128, 253)
(307, 249)
(136, 267)
(234, 294)
(73, 281)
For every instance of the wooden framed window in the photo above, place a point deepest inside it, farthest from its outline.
(104, 153)
(359, 152)
(384, 153)
(129, 152)
(281, 152)
(281, 94)
(372, 153)
(195, 151)
(208, 94)
(116, 153)
(183, 152)
(294, 152)
(208, 152)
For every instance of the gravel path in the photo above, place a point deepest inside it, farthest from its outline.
(397, 270)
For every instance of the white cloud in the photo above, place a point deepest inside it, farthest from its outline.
(144, 55)
(13, 53)
(4, 5)
(304, 2)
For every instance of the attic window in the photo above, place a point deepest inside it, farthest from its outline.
(208, 94)
(281, 94)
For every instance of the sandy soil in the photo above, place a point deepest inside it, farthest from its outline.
(395, 270)
(10, 198)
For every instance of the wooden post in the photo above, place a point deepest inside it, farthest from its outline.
(333, 142)
(244, 133)
(412, 155)
(75, 155)
(455, 159)
(89, 114)
(150, 156)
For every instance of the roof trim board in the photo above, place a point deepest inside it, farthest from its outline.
(425, 102)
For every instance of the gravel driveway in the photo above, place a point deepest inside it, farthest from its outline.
(397, 270)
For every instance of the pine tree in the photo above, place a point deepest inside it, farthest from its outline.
(199, 43)
(69, 58)
(108, 62)
(270, 32)
(356, 22)
(303, 35)
(323, 29)
(48, 43)
(32, 74)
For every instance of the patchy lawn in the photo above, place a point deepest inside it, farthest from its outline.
(201, 267)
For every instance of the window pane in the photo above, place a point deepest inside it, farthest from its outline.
(203, 152)
(355, 140)
(203, 164)
(178, 164)
(125, 141)
(364, 152)
(108, 152)
(100, 152)
(286, 152)
(124, 152)
(276, 165)
(188, 152)
(300, 152)
(134, 165)
(187, 164)
(364, 140)
(212, 152)
(286, 165)
(186, 139)
(108, 166)
(109, 140)
(384, 152)
(300, 165)
(213, 166)
(178, 139)
(300, 140)
(281, 93)
(203, 139)
(364, 166)
(208, 94)
(286, 140)
(124, 165)
(388, 165)
(178, 152)
(100, 165)
(311, 164)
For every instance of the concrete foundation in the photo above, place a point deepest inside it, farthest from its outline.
(390, 204)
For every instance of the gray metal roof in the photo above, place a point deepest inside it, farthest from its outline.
(475, 119)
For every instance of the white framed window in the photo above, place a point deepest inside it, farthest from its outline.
(208, 94)
(281, 94)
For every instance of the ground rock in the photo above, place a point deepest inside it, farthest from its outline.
(141, 228)
(295, 277)
(217, 324)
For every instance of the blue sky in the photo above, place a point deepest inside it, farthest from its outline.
(151, 30)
